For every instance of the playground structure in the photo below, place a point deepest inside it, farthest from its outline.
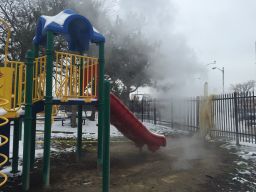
(79, 80)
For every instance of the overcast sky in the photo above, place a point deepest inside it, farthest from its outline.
(221, 30)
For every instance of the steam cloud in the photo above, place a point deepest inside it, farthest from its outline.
(174, 64)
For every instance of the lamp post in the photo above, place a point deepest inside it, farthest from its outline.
(213, 63)
(222, 70)
(205, 86)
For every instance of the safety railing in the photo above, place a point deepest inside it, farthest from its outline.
(12, 84)
(12, 75)
(39, 75)
(4, 140)
(76, 76)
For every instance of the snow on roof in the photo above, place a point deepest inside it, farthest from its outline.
(59, 19)
(77, 30)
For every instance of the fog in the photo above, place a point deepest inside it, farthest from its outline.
(174, 65)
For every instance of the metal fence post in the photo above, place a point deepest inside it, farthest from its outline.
(171, 111)
(155, 111)
(142, 109)
(197, 111)
(236, 118)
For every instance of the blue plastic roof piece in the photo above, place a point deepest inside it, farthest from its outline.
(97, 37)
(76, 29)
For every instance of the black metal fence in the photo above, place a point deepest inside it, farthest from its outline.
(181, 113)
(231, 115)
(234, 116)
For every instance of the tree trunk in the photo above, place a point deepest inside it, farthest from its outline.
(125, 97)
(92, 117)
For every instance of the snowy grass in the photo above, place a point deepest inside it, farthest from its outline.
(245, 171)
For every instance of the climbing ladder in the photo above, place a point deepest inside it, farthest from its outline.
(4, 141)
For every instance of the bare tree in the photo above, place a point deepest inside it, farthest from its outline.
(244, 87)
(23, 16)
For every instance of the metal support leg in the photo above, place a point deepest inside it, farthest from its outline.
(33, 141)
(106, 135)
(79, 132)
(15, 153)
(27, 123)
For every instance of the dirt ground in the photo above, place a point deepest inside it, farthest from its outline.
(186, 164)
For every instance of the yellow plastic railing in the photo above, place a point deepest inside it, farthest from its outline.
(12, 76)
(39, 76)
(14, 84)
(4, 140)
(67, 77)
(68, 73)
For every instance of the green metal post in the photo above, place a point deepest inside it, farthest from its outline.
(48, 110)
(100, 102)
(106, 135)
(20, 129)
(27, 122)
(36, 50)
(33, 140)
(80, 115)
(15, 153)
(33, 131)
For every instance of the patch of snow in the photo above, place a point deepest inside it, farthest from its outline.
(244, 172)
(59, 19)
(94, 29)
(162, 129)
(241, 163)
(90, 131)
(244, 150)
(240, 179)
(2, 111)
(21, 111)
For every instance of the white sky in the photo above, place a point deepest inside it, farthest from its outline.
(221, 30)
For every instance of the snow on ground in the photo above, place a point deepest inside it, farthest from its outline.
(246, 151)
(246, 167)
(90, 131)
(164, 129)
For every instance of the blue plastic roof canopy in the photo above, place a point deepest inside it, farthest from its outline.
(76, 29)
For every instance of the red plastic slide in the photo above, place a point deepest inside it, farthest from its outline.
(124, 120)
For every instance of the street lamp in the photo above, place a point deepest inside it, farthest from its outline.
(222, 70)
(213, 63)
(205, 86)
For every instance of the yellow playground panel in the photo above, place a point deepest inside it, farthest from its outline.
(39, 75)
(12, 84)
(72, 80)
(76, 76)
